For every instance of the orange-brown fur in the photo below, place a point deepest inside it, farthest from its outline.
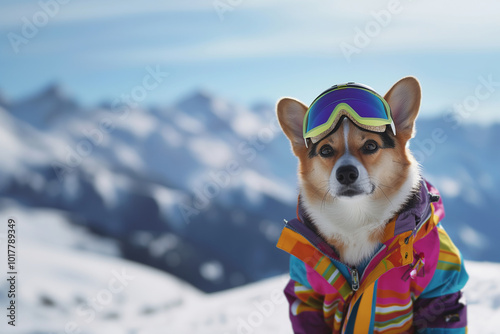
(395, 160)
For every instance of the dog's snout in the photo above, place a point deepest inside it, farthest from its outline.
(347, 175)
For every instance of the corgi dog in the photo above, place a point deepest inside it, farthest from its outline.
(368, 240)
(353, 181)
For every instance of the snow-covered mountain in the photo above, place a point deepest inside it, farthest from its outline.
(462, 161)
(70, 281)
(181, 188)
(200, 188)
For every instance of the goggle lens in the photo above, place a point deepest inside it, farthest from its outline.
(365, 103)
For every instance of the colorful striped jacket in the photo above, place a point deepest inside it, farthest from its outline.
(411, 285)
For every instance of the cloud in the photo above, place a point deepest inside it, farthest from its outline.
(90, 10)
(318, 29)
(315, 28)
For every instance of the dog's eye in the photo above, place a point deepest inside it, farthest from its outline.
(326, 151)
(370, 146)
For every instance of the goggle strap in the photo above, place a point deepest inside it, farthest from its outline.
(393, 127)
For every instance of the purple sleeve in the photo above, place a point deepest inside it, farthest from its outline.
(436, 315)
(306, 311)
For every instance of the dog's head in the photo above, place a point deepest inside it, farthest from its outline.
(351, 163)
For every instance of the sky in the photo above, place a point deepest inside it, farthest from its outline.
(250, 51)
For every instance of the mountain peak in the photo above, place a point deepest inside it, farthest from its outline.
(199, 97)
(205, 107)
(54, 90)
(46, 106)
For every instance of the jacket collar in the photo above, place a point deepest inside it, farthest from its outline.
(300, 238)
(411, 216)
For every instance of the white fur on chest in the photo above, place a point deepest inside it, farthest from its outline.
(353, 221)
(350, 222)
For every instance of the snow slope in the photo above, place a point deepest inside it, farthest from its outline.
(71, 281)
(65, 286)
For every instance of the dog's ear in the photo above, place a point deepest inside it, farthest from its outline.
(291, 117)
(404, 100)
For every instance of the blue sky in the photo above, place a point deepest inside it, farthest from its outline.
(255, 50)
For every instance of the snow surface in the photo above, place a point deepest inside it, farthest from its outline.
(71, 281)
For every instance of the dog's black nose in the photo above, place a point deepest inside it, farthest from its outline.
(347, 175)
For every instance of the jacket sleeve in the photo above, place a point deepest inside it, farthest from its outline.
(441, 307)
(306, 305)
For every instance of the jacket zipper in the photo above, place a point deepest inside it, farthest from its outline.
(355, 279)
(417, 228)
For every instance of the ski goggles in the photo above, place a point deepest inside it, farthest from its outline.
(360, 103)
